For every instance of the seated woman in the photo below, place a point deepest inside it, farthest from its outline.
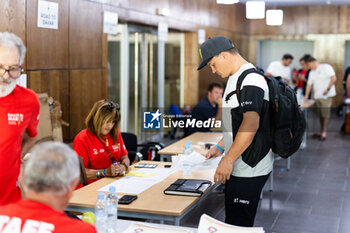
(101, 145)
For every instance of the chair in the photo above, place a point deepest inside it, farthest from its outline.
(83, 177)
(148, 151)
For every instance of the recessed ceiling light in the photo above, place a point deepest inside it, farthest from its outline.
(255, 9)
(226, 1)
(274, 17)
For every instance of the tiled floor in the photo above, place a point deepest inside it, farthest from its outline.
(314, 196)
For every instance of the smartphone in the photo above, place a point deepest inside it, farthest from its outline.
(127, 199)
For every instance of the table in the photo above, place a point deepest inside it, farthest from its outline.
(305, 107)
(198, 137)
(124, 224)
(150, 204)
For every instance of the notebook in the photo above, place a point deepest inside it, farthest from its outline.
(188, 187)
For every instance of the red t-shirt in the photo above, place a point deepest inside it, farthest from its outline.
(93, 151)
(36, 217)
(19, 111)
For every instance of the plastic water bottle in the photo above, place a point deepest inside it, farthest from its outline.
(100, 213)
(112, 210)
(188, 149)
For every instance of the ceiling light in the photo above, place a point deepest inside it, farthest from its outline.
(274, 17)
(163, 11)
(226, 1)
(255, 10)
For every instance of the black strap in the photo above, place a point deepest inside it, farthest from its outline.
(239, 83)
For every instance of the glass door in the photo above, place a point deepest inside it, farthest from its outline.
(143, 89)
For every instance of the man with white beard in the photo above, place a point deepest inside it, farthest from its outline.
(19, 116)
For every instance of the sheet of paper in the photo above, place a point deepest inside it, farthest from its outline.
(196, 161)
(139, 180)
(208, 224)
(145, 228)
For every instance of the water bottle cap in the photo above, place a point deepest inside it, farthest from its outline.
(189, 142)
(100, 196)
(111, 189)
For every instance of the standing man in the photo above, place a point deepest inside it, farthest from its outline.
(19, 116)
(281, 68)
(242, 122)
(50, 177)
(208, 107)
(321, 79)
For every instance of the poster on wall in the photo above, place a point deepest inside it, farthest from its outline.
(110, 23)
(201, 36)
(47, 14)
(162, 31)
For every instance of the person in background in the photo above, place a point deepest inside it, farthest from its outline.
(101, 145)
(321, 79)
(281, 68)
(243, 123)
(49, 179)
(301, 76)
(208, 107)
(19, 116)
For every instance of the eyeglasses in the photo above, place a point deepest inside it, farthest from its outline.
(14, 71)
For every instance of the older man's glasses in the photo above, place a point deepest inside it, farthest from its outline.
(13, 71)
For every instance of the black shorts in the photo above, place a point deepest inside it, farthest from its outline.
(241, 199)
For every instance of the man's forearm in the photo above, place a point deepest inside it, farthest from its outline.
(244, 136)
(331, 83)
(27, 144)
(307, 92)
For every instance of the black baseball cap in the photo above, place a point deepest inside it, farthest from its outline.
(212, 47)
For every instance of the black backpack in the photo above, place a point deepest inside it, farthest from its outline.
(287, 120)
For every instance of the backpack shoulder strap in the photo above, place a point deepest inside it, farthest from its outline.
(239, 82)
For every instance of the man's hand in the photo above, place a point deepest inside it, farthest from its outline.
(213, 152)
(325, 92)
(223, 171)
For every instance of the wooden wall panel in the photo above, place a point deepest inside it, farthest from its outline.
(307, 20)
(184, 14)
(47, 48)
(85, 34)
(323, 19)
(86, 87)
(191, 81)
(12, 17)
(56, 84)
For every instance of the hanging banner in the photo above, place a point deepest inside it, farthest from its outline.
(110, 23)
(162, 31)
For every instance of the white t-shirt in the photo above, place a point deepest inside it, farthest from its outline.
(253, 80)
(320, 79)
(277, 69)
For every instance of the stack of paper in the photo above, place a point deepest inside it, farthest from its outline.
(208, 224)
(144, 228)
(136, 182)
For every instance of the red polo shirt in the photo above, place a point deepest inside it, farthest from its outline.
(93, 150)
(36, 217)
(19, 111)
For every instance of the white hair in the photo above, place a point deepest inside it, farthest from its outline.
(51, 167)
(10, 40)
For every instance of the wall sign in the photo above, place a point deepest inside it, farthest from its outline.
(162, 31)
(110, 22)
(201, 36)
(47, 14)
